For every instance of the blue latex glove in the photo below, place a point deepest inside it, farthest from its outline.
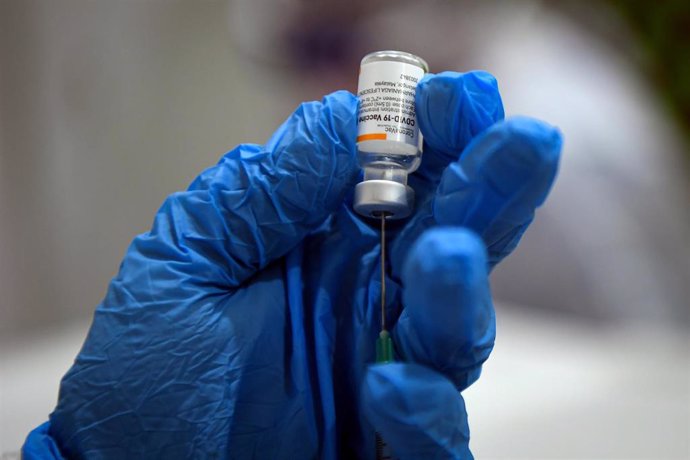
(244, 323)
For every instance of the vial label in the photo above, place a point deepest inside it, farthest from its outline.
(386, 102)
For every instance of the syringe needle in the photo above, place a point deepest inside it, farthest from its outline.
(383, 271)
(384, 344)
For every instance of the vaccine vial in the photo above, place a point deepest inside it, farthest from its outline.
(389, 144)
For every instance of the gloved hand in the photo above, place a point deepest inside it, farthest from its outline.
(243, 325)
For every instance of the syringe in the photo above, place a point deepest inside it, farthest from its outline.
(389, 149)
(384, 344)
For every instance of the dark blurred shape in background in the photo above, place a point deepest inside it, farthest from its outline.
(106, 107)
(576, 64)
(324, 35)
(663, 32)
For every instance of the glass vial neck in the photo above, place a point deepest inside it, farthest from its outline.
(385, 172)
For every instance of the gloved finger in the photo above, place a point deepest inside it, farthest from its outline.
(496, 186)
(417, 412)
(452, 108)
(448, 321)
(258, 202)
(40, 445)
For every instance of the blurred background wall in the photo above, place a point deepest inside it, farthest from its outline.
(106, 107)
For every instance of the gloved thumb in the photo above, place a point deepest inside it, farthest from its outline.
(417, 411)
